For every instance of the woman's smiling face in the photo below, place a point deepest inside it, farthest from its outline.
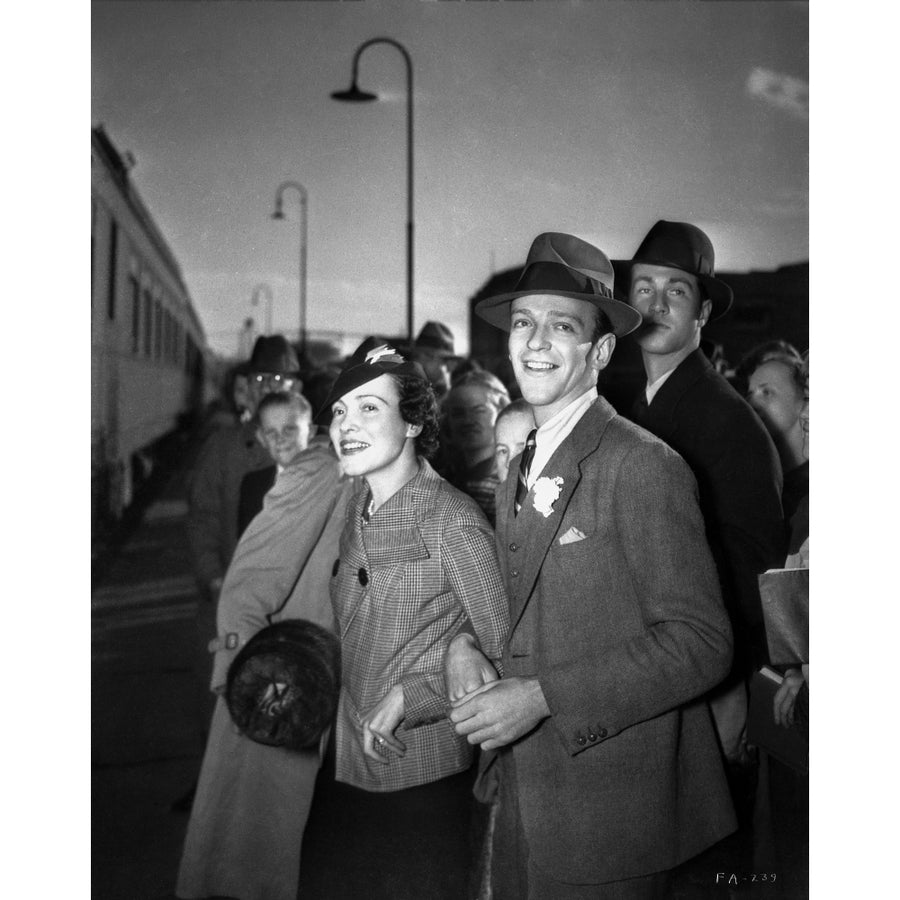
(368, 433)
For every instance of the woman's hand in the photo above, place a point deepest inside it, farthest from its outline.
(466, 668)
(379, 724)
(786, 697)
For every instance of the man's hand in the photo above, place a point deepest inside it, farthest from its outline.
(500, 712)
(379, 724)
(466, 668)
(786, 697)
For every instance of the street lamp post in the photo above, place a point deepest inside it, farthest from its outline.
(354, 95)
(279, 214)
(254, 301)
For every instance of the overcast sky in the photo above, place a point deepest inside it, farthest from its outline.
(590, 117)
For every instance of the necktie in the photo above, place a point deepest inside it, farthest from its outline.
(524, 466)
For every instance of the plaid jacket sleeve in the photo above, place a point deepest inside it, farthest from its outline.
(469, 561)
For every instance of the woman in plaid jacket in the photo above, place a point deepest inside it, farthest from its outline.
(417, 564)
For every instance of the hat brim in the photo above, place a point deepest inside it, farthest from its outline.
(496, 310)
(719, 293)
(361, 374)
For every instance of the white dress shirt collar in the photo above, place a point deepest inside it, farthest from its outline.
(555, 430)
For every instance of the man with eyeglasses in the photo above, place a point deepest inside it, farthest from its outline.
(228, 455)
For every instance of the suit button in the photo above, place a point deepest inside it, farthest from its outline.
(602, 732)
(592, 736)
(581, 740)
(514, 573)
(363, 577)
(513, 547)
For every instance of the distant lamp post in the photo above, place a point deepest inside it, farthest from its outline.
(354, 95)
(254, 301)
(279, 214)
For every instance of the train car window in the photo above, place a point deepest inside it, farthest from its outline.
(158, 332)
(148, 323)
(113, 254)
(135, 315)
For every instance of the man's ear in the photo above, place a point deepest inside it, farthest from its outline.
(705, 310)
(259, 435)
(602, 351)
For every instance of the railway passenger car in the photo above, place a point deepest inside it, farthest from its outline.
(151, 369)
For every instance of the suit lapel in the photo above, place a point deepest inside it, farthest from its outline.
(535, 532)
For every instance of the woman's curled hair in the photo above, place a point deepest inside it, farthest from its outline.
(418, 406)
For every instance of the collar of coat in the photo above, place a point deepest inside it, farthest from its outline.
(408, 506)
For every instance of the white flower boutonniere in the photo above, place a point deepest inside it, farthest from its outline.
(546, 493)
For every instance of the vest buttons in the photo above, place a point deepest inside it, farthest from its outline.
(592, 736)
(513, 547)
(581, 740)
(514, 573)
(602, 732)
(363, 577)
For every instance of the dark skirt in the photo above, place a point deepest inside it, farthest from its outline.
(412, 844)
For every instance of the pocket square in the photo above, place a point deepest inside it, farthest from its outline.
(572, 535)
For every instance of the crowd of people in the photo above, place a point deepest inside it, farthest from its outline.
(549, 613)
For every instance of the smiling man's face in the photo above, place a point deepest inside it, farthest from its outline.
(553, 354)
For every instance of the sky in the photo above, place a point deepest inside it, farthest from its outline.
(595, 118)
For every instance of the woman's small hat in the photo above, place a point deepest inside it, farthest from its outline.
(678, 245)
(367, 364)
(564, 266)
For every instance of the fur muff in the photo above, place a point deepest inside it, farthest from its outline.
(282, 688)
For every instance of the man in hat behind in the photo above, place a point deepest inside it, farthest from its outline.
(214, 493)
(609, 770)
(433, 351)
(671, 282)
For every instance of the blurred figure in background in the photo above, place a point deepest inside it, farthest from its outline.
(434, 351)
(284, 421)
(511, 430)
(469, 411)
(777, 388)
(214, 494)
(246, 826)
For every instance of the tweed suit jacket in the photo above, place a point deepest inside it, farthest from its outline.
(700, 415)
(625, 630)
(405, 584)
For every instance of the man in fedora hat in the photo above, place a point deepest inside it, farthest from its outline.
(227, 455)
(433, 350)
(609, 771)
(671, 282)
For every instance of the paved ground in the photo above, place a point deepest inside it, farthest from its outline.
(146, 742)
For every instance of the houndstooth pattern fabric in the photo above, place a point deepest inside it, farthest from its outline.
(406, 582)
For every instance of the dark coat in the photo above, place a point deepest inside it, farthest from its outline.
(625, 630)
(733, 458)
(254, 486)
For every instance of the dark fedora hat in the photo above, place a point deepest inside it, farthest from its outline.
(435, 336)
(273, 354)
(678, 245)
(564, 266)
(366, 364)
(282, 688)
